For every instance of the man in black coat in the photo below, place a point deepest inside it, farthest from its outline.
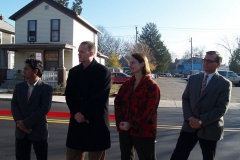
(87, 91)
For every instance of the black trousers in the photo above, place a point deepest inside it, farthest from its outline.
(186, 143)
(23, 149)
(145, 147)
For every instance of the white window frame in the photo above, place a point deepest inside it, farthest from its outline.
(54, 30)
(12, 36)
(1, 37)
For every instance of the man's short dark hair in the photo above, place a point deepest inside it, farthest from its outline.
(218, 58)
(90, 46)
(35, 64)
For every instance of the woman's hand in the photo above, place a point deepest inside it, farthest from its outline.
(124, 126)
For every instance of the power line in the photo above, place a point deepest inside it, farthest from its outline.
(178, 28)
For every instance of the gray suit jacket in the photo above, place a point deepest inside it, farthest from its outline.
(210, 106)
(32, 112)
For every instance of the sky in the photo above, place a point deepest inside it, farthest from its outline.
(207, 22)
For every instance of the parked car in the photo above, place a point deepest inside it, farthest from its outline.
(178, 75)
(232, 76)
(162, 75)
(168, 74)
(187, 74)
(119, 77)
(153, 76)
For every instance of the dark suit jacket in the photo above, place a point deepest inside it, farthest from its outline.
(32, 112)
(210, 106)
(87, 91)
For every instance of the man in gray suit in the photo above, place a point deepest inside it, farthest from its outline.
(204, 102)
(30, 104)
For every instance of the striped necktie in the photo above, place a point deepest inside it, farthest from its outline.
(204, 83)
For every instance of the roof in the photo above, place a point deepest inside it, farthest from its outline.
(30, 6)
(15, 47)
(6, 27)
(99, 54)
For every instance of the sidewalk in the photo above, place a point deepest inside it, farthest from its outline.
(163, 103)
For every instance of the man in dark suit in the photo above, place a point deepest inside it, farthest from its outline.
(87, 92)
(30, 104)
(204, 102)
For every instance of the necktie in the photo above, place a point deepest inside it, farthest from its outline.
(29, 92)
(204, 83)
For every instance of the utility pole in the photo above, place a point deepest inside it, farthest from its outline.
(136, 34)
(191, 55)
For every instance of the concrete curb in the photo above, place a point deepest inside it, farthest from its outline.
(163, 103)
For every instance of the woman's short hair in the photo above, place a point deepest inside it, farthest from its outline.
(35, 64)
(142, 58)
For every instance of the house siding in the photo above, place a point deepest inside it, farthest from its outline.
(6, 38)
(81, 33)
(22, 55)
(67, 60)
(20, 58)
(43, 18)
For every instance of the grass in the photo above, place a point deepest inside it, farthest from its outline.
(114, 89)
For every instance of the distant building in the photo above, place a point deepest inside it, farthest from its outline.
(183, 65)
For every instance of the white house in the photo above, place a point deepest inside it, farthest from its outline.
(50, 32)
(7, 36)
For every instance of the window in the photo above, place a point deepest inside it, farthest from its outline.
(223, 73)
(12, 39)
(0, 37)
(32, 30)
(51, 60)
(232, 74)
(55, 30)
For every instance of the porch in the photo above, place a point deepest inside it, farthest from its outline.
(57, 60)
(16, 76)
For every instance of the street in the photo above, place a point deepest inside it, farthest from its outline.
(169, 123)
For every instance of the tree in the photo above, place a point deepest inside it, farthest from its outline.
(229, 46)
(234, 62)
(151, 37)
(144, 49)
(76, 6)
(63, 2)
(113, 61)
(109, 45)
(197, 52)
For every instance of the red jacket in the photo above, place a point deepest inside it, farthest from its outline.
(138, 107)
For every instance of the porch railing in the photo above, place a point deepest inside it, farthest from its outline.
(50, 77)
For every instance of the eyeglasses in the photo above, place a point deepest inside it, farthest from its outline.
(208, 61)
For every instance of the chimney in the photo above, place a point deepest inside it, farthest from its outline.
(1, 17)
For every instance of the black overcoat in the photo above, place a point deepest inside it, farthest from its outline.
(87, 91)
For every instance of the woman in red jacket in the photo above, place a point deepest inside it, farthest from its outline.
(136, 111)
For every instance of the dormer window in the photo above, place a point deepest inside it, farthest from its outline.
(55, 30)
(32, 31)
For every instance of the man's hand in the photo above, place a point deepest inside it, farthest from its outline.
(80, 118)
(22, 127)
(124, 126)
(194, 123)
